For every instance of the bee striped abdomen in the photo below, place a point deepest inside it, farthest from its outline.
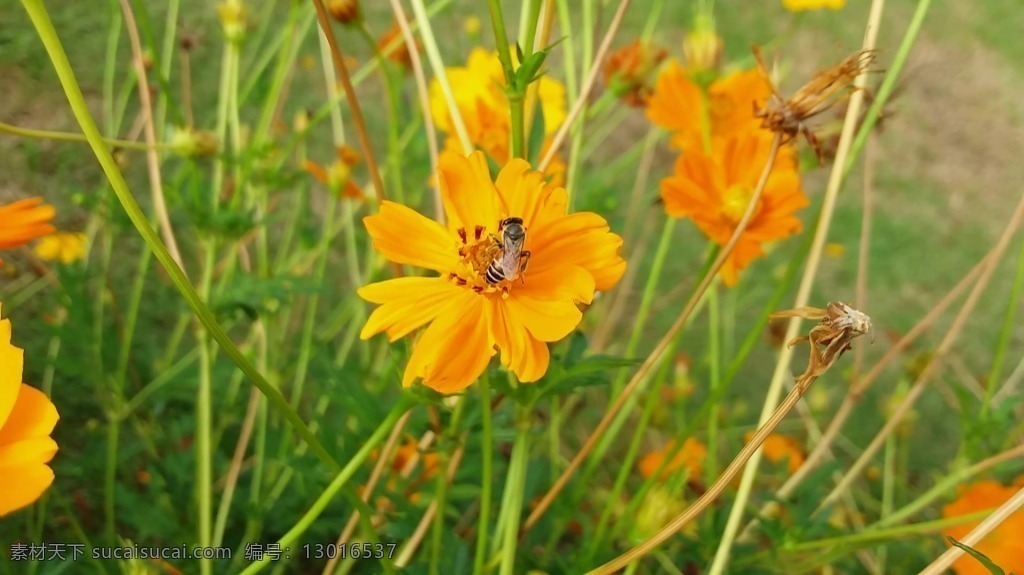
(494, 273)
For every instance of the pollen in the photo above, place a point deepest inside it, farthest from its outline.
(474, 257)
(735, 201)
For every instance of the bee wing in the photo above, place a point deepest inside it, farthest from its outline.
(806, 312)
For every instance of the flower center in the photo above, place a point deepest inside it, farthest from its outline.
(735, 201)
(477, 249)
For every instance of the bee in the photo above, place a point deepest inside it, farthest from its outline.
(510, 262)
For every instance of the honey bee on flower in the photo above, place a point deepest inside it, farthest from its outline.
(470, 313)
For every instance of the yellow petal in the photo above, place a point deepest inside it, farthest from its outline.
(470, 198)
(520, 190)
(523, 354)
(408, 303)
(11, 364)
(542, 306)
(33, 416)
(404, 236)
(455, 349)
(581, 239)
(21, 485)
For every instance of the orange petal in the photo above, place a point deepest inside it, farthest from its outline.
(11, 365)
(582, 239)
(21, 485)
(745, 252)
(470, 199)
(408, 303)
(33, 416)
(545, 304)
(521, 190)
(24, 221)
(523, 354)
(456, 348)
(404, 236)
(677, 104)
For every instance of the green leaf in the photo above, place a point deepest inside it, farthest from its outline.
(979, 557)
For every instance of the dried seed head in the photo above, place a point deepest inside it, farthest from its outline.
(789, 116)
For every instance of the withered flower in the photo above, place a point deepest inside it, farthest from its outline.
(629, 71)
(839, 324)
(789, 117)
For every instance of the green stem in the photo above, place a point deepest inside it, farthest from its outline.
(44, 27)
(451, 435)
(650, 288)
(339, 481)
(714, 353)
(487, 464)
(512, 500)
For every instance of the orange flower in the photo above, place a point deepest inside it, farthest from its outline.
(26, 419)
(479, 92)
(338, 176)
(778, 448)
(628, 70)
(24, 221)
(400, 53)
(1004, 546)
(726, 108)
(690, 457)
(714, 191)
(571, 256)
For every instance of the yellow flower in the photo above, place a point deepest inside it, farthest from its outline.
(1004, 546)
(690, 457)
(26, 419)
(66, 247)
(726, 108)
(571, 256)
(801, 5)
(24, 221)
(479, 91)
(714, 191)
(778, 448)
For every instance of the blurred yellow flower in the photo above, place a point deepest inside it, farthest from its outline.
(471, 26)
(571, 256)
(802, 5)
(479, 91)
(65, 247)
(26, 419)
(1005, 545)
(726, 109)
(778, 448)
(690, 457)
(24, 221)
(714, 190)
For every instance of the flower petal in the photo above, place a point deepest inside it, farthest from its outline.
(581, 239)
(11, 365)
(456, 348)
(545, 303)
(404, 236)
(407, 304)
(33, 416)
(524, 355)
(21, 485)
(470, 198)
(522, 191)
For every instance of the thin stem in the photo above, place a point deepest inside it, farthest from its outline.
(515, 483)
(71, 137)
(487, 473)
(353, 100)
(441, 493)
(1005, 335)
(595, 70)
(437, 64)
